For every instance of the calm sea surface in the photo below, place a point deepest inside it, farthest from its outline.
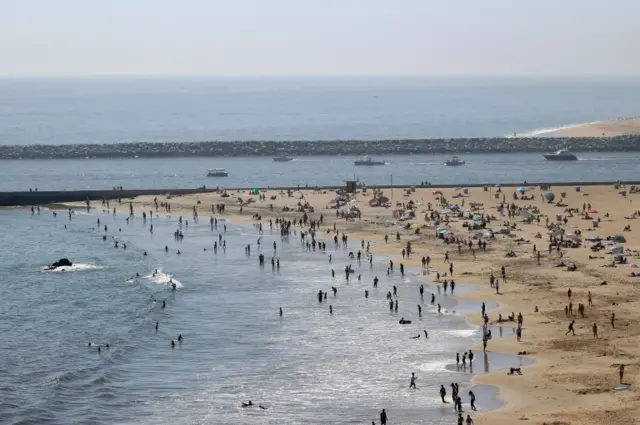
(105, 110)
(262, 172)
(307, 367)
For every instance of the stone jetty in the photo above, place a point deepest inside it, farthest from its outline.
(316, 148)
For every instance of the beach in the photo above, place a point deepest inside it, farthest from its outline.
(607, 128)
(574, 377)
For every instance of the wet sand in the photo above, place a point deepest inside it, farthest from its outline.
(573, 378)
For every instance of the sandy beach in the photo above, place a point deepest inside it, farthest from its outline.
(610, 128)
(574, 377)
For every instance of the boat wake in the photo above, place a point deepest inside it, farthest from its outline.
(162, 278)
(73, 268)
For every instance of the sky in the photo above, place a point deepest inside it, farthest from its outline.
(319, 37)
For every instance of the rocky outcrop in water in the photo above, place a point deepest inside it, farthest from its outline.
(309, 148)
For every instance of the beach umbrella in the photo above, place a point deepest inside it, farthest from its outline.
(522, 189)
(550, 196)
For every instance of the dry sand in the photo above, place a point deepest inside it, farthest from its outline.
(618, 127)
(573, 378)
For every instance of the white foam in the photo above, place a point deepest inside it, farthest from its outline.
(543, 131)
(162, 278)
(73, 268)
(466, 333)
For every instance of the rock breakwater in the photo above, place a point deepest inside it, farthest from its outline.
(316, 148)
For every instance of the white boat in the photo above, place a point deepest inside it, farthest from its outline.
(366, 160)
(561, 155)
(217, 172)
(454, 162)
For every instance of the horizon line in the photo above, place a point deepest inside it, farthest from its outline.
(316, 76)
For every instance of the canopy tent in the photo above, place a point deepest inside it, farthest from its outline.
(618, 238)
(616, 249)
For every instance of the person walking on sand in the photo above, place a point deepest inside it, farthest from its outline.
(469, 421)
(589, 299)
(613, 320)
(621, 370)
(595, 331)
(571, 330)
(412, 385)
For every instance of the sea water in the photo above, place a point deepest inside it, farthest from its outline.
(143, 109)
(408, 170)
(306, 367)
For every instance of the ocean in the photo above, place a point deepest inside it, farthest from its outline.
(119, 109)
(307, 367)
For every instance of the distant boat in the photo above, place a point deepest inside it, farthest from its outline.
(454, 162)
(282, 158)
(561, 155)
(366, 160)
(217, 172)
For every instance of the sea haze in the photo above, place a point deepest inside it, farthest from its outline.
(106, 110)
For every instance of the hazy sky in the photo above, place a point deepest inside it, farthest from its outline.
(319, 37)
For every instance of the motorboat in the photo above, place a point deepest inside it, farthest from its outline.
(217, 172)
(366, 160)
(561, 155)
(282, 158)
(454, 162)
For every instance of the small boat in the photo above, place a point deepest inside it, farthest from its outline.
(366, 160)
(561, 155)
(454, 162)
(282, 158)
(217, 172)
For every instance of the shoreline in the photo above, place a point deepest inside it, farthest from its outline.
(27, 198)
(469, 296)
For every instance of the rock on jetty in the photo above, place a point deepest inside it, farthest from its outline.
(310, 148)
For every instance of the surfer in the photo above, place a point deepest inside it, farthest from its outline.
(180, 338)
(249, 404)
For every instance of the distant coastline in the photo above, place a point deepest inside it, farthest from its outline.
(621, 143)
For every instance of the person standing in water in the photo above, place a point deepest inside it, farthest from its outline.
(412, 385)
(383, 417)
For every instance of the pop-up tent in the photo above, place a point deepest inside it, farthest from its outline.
(616, 249)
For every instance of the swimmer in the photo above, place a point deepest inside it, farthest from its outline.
(157, 324)
(144, 253)
(180, 338)
(280, 311)
(262, 407)
(173, 286)
(426, 335)
(173, 344)
(416, 337)
(164, 304)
